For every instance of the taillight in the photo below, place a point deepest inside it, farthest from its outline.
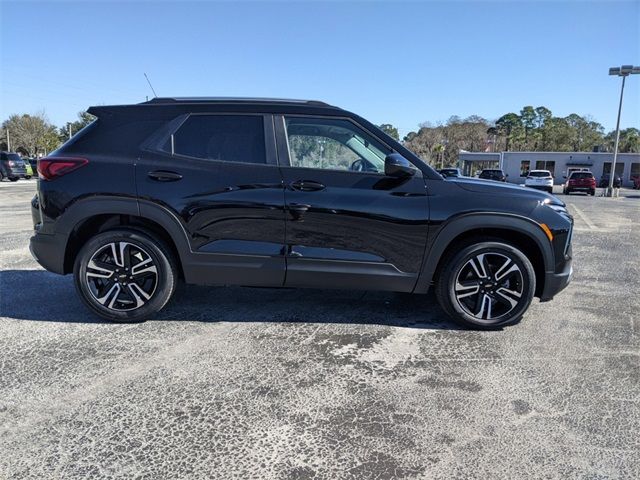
(12, 163)
(54, 167)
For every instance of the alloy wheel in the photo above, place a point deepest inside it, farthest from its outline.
(489, 286)
(121, 276)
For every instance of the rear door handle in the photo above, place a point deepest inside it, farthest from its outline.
(164, 176)
(306, 186)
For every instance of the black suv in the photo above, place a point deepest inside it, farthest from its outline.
(284, 193)
(493, 174)
(12, 166)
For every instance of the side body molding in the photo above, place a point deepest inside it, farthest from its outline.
(460, 224)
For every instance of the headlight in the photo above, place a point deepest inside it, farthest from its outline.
(558, 207)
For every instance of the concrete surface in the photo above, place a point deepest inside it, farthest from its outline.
(293, 384)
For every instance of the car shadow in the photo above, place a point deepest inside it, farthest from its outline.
(38, 295)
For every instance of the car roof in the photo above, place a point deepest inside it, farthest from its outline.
(243, 100)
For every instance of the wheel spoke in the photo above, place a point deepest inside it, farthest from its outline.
(510, 297)
(483, 306)
(507, 268)
(100, 269)
(146, 266)
(112, 293)
(117, 252)
(138, 294)
(467, 288)
(479, 266)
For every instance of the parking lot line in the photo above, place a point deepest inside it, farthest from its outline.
(583, 217)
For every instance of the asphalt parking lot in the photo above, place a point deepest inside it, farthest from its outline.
(292, 384)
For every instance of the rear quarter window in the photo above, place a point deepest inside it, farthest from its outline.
(229, 138)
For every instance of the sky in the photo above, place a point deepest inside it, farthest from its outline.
(391, 62)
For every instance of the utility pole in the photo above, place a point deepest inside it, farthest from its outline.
(624, 71)
(8, 142)
(69, 130)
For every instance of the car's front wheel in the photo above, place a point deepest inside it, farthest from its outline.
(125, 275)
(486, 285)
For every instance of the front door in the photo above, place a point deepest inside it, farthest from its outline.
(218, 174)
(348, 224)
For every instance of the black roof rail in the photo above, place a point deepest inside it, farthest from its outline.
(165, 100)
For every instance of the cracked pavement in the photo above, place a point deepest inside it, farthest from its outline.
(317, 384)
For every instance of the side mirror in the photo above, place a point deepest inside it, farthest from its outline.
(564, 176)
(395, 165)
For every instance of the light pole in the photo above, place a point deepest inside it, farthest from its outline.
(624, 71)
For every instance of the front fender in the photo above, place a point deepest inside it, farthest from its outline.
(460, 224)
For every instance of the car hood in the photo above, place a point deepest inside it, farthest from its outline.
(492, 187)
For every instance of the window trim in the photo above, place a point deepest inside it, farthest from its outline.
(158, 139)
(282, 140)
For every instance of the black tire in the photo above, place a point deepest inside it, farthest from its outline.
(13, 179)
(567, 191)
(592, 193)
(154, 289)
(509, 297)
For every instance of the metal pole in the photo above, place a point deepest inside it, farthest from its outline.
(8, 142)
(615, 149)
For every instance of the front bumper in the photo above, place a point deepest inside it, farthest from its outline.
(554, 283)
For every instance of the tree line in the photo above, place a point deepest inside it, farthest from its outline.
(33, 135)
(533, 129)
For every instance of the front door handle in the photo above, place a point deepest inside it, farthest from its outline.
(164, 176)
(306, 185)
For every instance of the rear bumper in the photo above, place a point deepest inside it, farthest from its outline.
(48, 251)
(554, 283)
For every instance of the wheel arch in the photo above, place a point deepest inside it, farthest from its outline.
(94, 215)
(520, 231)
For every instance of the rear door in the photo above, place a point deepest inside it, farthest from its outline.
(348, 224)
(218, 174)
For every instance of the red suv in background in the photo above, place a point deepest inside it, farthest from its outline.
(580, 181)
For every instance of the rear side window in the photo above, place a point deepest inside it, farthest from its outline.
(230, 138)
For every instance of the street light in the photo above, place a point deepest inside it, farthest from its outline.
(624, 71)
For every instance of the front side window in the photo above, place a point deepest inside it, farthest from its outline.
(229, 138)
(333, 144)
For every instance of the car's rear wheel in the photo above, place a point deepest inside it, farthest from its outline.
(486, 285)
(13, 179)
(125, 275)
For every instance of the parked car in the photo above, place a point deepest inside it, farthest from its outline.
(580, 181)
(493, 174)
(28, 168)
(34, 166)
(541, 179)
(606, 178)
(11, 166)
(278, 193)
(450, 172)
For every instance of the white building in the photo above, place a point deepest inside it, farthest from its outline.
(560, 164)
